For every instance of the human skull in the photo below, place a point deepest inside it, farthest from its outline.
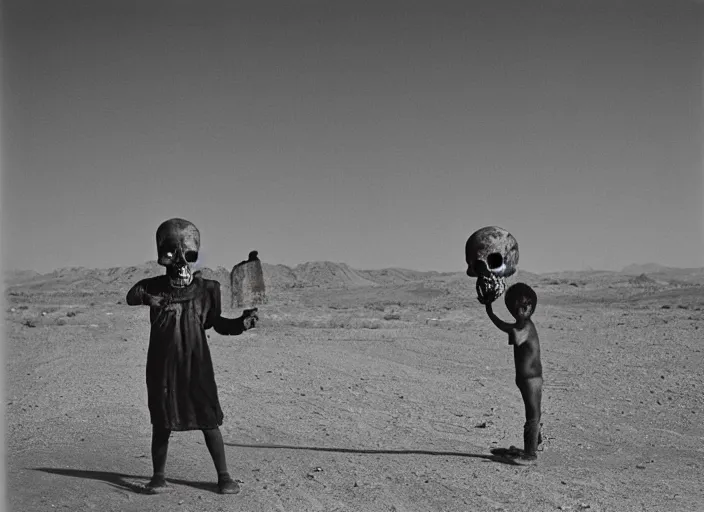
(177, 244)
(492, 255)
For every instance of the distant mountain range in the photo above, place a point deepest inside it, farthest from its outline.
(324, 275)
(318, 274)
(657, 271)
(646, 268)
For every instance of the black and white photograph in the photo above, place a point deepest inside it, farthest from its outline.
(352, 255)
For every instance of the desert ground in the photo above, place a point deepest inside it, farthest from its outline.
(380, 390)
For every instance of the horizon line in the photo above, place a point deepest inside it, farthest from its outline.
(459, 271)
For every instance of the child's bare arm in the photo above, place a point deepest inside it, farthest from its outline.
(504, 326)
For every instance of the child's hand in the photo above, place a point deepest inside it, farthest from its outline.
(249, 318)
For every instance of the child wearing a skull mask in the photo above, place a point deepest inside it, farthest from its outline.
(181, 389)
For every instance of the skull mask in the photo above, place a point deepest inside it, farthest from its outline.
(177, 244)
(492, 255)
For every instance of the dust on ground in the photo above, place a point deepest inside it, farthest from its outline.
(367, 399)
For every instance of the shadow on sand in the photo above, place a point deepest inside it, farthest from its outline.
(132, 482)
(125, 482)
(493, 458)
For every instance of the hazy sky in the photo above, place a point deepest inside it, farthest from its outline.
(375, 133)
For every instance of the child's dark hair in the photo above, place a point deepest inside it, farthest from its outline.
(520, 292)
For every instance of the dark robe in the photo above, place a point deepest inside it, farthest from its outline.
(181, 387)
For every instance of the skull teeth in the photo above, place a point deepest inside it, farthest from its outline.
(490, 288)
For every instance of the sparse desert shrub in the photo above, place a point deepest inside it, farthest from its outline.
(370, 324)
(340, 321)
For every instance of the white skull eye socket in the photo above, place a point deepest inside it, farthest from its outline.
(172, 256)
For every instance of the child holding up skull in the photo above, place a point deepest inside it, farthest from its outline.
(521, 300)
(181, 389)
(492, 255)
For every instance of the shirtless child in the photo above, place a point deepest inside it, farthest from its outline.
(521, 301)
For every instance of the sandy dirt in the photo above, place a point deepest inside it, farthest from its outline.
(331, 407)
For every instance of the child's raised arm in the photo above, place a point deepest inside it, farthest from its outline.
(506, 327)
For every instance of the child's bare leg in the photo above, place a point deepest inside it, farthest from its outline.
(531, 391)
(216, 447)
(531, 433)
(160, 447)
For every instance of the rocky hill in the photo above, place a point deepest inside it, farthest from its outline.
(278, 278)
(326, 281)
(663, 273)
